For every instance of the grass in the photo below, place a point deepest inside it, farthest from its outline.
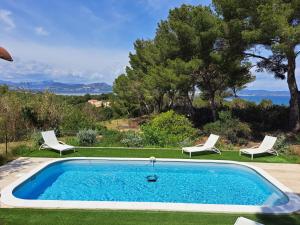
(160, 153)
(94, 217)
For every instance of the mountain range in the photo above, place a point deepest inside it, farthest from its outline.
(60, 88)
(99, 88)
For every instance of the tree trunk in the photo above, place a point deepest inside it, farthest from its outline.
(294, 117)
(213, 107)
(234, 92)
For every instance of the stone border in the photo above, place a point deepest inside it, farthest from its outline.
(293, 205)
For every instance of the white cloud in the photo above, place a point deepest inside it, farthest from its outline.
(6, 19)
(41, 31)
(66, 64)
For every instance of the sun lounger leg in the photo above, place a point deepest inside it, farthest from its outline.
(190, 154)
(251, 156)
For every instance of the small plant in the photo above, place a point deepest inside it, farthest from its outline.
(111, 138)
(186, 142)
(132, 139)
(282, 145)
(87, 137)
(100, 129)
(21, 150)
(37, 139)
(231, 128)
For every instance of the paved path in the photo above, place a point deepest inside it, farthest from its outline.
(288, 174)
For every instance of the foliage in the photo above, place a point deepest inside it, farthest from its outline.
(168, 129)
(132, 139)
(100, 128)
(274, 26)
(263, 117)
(22, 150)
(189, 51)
(282, 145)
(111, 138)
(76, 120)
(231, 128)
(87, 137)
(37, 138)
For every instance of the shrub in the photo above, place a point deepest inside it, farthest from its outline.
(132, 139)
(75, 120)
(87, 137)
(37, 139)
(282, 145)
(168, 128)
(21, 150)
(111, 138)
(231, 128)
(100, 128)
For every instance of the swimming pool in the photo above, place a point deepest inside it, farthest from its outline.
(188, 185)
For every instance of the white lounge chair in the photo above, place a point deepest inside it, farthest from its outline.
(209, 145)
(244, 221)
(51, 142)
(265, 147)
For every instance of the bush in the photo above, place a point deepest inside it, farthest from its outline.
(87, 137)
(231, 128)
(282, 145)
(37, 139)
(168, 129)
(75, 120)
(22, 150)
(100, 128)
(111, 138)
(132, 139)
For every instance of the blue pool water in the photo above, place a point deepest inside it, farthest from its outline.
(178, 182)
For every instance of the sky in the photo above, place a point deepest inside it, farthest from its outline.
(83, 41)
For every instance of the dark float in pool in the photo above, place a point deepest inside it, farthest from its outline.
(152, 178)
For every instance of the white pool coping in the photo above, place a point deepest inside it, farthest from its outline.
(293, 204)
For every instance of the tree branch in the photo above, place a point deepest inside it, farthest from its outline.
(256, 56)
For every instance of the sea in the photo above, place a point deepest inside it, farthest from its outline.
(276, 100)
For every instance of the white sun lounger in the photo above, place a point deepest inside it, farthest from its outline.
(51, 142)
(208, 146)
(244, 221)
(265, 147)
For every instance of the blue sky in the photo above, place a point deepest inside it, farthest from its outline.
(82, 40)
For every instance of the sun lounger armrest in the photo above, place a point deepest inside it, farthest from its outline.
(61, 142)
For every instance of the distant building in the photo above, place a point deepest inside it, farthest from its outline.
(98, 103)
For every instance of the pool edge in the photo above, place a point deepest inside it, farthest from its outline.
(293, 205)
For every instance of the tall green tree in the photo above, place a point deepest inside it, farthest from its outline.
(197, 36)
(269, 31)
(189, 52)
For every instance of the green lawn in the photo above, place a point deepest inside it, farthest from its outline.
(94, 217)
(162, 153)
(73, 217)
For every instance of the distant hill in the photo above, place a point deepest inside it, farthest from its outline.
(60, 88)
(247, 92)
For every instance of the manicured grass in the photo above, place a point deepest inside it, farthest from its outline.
(94, 217)
(162, 153)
